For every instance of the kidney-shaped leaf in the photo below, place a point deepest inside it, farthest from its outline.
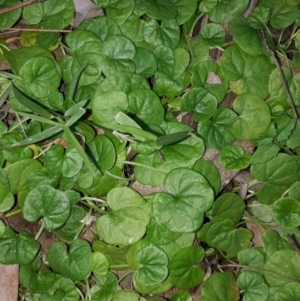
(51, 204)
(183, 270)
(220, 287)
(74, 263)
(17, 248)
(223, 236)
(40, 77)
(247, 73)
(153, 267)
(126, 223)
(286, 212)
(254, 117)
(253, 286)
(282, 268)
(289, 292)
(190, 196)
(233, 157)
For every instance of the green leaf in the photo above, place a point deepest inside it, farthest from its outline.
(185, 9)
(102, 27)
(212, 35)
(120, 10)
(220, 287)
(116, 256)
(30, 104)
(105, 287)
(145, 62)
(247, 73)
(288, 292)
(17, 153)
(104, 113)
(283, 13)
(103, 151)
(9, 19)
(233, 157)
(158, 9)
(223, 236)
(66, 162)
(181, 296)
(146, 106)
(165, 34)
(253, 258)
(259, 17)
(40, 77)
(127, 221)
(74, 263)
(51, 204)
(208, 75)
(100, 264)
(210, 172)
(7, 199)
(286, 212)
(217, 133)
(153, 267)
(17, 248)
(73, 224)
(227, 206)
(221, 11)
(37, 12)
(281, 170)
(17, 174)
(282, 267)
(276, 88)
(244, 34)
(254, 117)
(189, 196)
(253, 286)
(183, 270)
(126, 295)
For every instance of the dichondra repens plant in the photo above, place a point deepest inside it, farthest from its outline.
(140, 97)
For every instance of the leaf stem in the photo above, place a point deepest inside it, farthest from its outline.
(92, 206)
(12, 213)
(37, 236)
(137, 164)
(282, 77)
(83, 223)
(86, 198)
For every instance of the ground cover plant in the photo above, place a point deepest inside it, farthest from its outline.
(118, 137)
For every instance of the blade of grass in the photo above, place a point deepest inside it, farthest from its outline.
(74, 83)
(36, 138)
(30, 104)
(172, 138)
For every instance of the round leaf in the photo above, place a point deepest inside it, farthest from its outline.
(181, 296)
(254, 117)
(40, 77)
(220, 286)
(107, 105)
(51, 204)
(253, 285)
(286, 212)
(183, 270)
(153, 266)
(7, 199)
(191, 197)
(289, 292)
(126, 223)
(247, 73)
(282, 268)
(233, 157)
(17, 248)
(75, 263)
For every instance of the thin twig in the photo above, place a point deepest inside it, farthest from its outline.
(36, 29)
(17, 6)
(283, 80)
